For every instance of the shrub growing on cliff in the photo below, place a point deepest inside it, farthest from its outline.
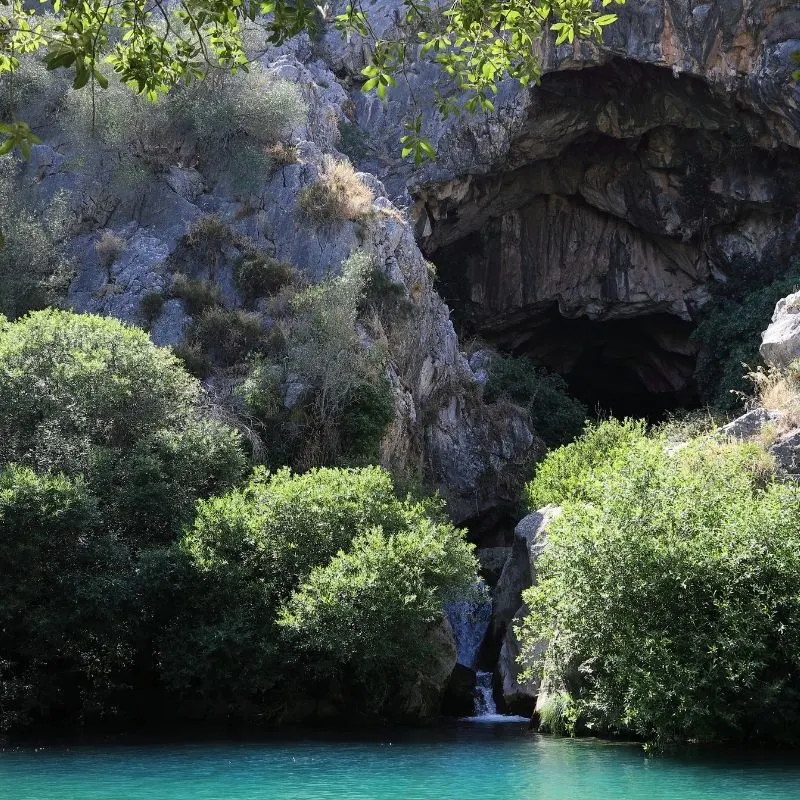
(669, 591)
(730, 331)
(339, 194)
(33, 270)
(342, 402)
(557, 417)
(91, 396)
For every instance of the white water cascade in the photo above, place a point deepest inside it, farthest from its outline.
(470, 618)
(484, 695)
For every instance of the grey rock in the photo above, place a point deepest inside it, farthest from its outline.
(780, 342)
(519, 696)
(786, 451)
(519, 571)
(750, 424)
(492, 560)
(421, 698)
(188, 183)
(169, 329)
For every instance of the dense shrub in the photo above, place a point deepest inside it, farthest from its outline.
(33, 270)
(196, 294)
(557, 417)
(264, 554)
(258, 275)
(730, 329)
(226, 335)
(91, 396)
(342, 401)
(370, 608)
(669, 589)
(61, 588)
(574, 471)
(228, 120)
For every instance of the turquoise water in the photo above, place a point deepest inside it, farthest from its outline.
(462, 763)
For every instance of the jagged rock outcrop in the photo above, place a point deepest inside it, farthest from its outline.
(519, 571)
(475, 454)
(519, 695)
(639, 171)
(780, 342)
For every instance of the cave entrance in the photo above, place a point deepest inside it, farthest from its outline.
(639, 366)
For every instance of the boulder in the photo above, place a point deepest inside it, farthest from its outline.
(420, 700)
(519, 571)
(750, 424)
(459, 696)
(786, 451)
(780, 342)
(492, 560)
(519, 696)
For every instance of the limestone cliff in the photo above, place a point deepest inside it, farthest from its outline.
(640, 170)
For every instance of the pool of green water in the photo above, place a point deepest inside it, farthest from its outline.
(461, 762)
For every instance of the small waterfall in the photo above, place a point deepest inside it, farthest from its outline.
(469, 618)
(484, 695)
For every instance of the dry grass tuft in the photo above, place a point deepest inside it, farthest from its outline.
(779, 390)
(338, 195)
(109, 247)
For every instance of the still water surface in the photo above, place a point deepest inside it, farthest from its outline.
(463, 762)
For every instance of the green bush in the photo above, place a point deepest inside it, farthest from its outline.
(263, 555)
(62, 586)
(577, 470)
(228, 120)
(226, 335)
(557, 417)
(258, 275)
(197, 295)
(344, 402)
(33, 270)
(669, 587)
(370, 608)
(151, 305)
(91, 396)
(730, 330)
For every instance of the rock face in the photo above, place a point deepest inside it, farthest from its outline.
(750, 424)
(780, 342)
(519, 571)
(639, 171)
(519, 696)
(422, 699)
(475, 454)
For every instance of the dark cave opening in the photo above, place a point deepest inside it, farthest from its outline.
(637, 367)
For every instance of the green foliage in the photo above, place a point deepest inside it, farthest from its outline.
(60, 590)
(558, 714)
(342, 401)
(259, 275)
(386, 589)
(288, 557)
(90, 396)
(578, 470)
(226, 335)
(557, 417)
(669, 588)
(475, 44)
(33, 271)
(730, 332)
(198, 295)
(151, 305)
